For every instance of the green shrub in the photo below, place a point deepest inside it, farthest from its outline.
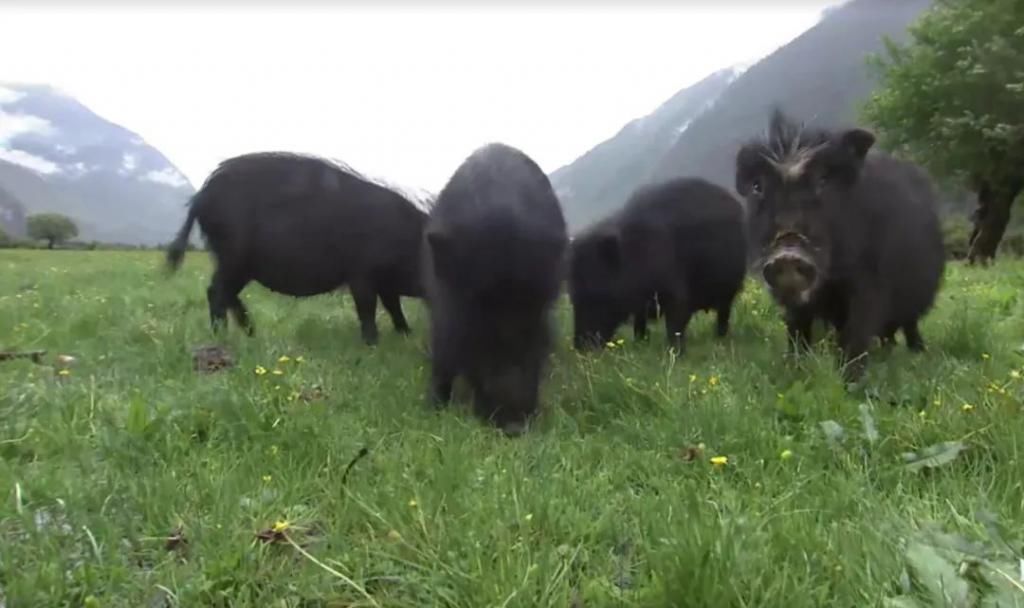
(956, 234)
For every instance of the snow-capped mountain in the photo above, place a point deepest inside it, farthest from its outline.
(56, 155)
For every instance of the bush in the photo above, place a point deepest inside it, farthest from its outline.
(8, 241)
(1012, 243)
(956, 234)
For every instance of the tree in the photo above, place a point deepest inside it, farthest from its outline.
(952, 99)
(51, 227)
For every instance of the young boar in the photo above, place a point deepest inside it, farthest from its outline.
(303, 226)
(493, 265)
(678, 244)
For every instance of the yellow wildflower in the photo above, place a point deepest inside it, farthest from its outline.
(693, 378)
(281, 525)
(267, 478)
(1015, 375)
(260, 370)
(985, 356)
(300, 359)
(720, 460)
(786, 454)
(64, 372)
(529, 516)
(278, 372)
(273, 450)
(394, 535)
(967, 407)
(610, 344)
(620, 341)
(713, 380)
(413, 503)
(284, 359)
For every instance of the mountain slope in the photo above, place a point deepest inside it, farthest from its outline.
(819, 77)
(12, 215)
(603, 177)
(57, 155)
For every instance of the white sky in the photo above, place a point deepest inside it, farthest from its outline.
(400, 91)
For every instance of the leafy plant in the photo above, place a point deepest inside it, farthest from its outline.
(953, 100)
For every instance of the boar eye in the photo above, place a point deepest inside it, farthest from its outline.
(757, 187)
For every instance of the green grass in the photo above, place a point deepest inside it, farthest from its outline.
(607, 501)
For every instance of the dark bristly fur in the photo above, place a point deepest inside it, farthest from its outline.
(493, 264)
(303, 226)
(841, 234)
(681, 240)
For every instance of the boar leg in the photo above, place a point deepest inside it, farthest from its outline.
(798, 328)
(677, 317)
(218, 308)
(441, 380)
(442, 365)
(640, 323)
(722, 314)
(241, 314)
(861, 326)
(366, 307)
(393, 304)
(222, 295)
(888, 336)
(913, 336)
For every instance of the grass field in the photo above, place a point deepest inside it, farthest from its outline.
(132, 480)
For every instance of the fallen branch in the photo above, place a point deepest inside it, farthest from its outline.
(35, 355)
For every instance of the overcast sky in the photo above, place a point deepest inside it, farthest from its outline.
(400, 91)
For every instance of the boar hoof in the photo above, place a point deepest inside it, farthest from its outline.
(513, 429)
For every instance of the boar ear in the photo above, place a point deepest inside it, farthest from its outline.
(609, 249)
(857, 142)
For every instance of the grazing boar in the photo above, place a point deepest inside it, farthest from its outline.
(841, 235)
(676, 248)
(493, 264)
(303, 226)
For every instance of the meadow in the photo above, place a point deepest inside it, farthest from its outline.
(730, 476)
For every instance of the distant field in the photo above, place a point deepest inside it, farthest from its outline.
(612, 499)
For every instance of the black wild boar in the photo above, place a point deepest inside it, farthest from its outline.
(679, 244)
(303, 226)
(493, 264)
(840, 234)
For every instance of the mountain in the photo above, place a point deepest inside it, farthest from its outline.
(602, 178)
(56, 155)
(12, 215)
(819, 77)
